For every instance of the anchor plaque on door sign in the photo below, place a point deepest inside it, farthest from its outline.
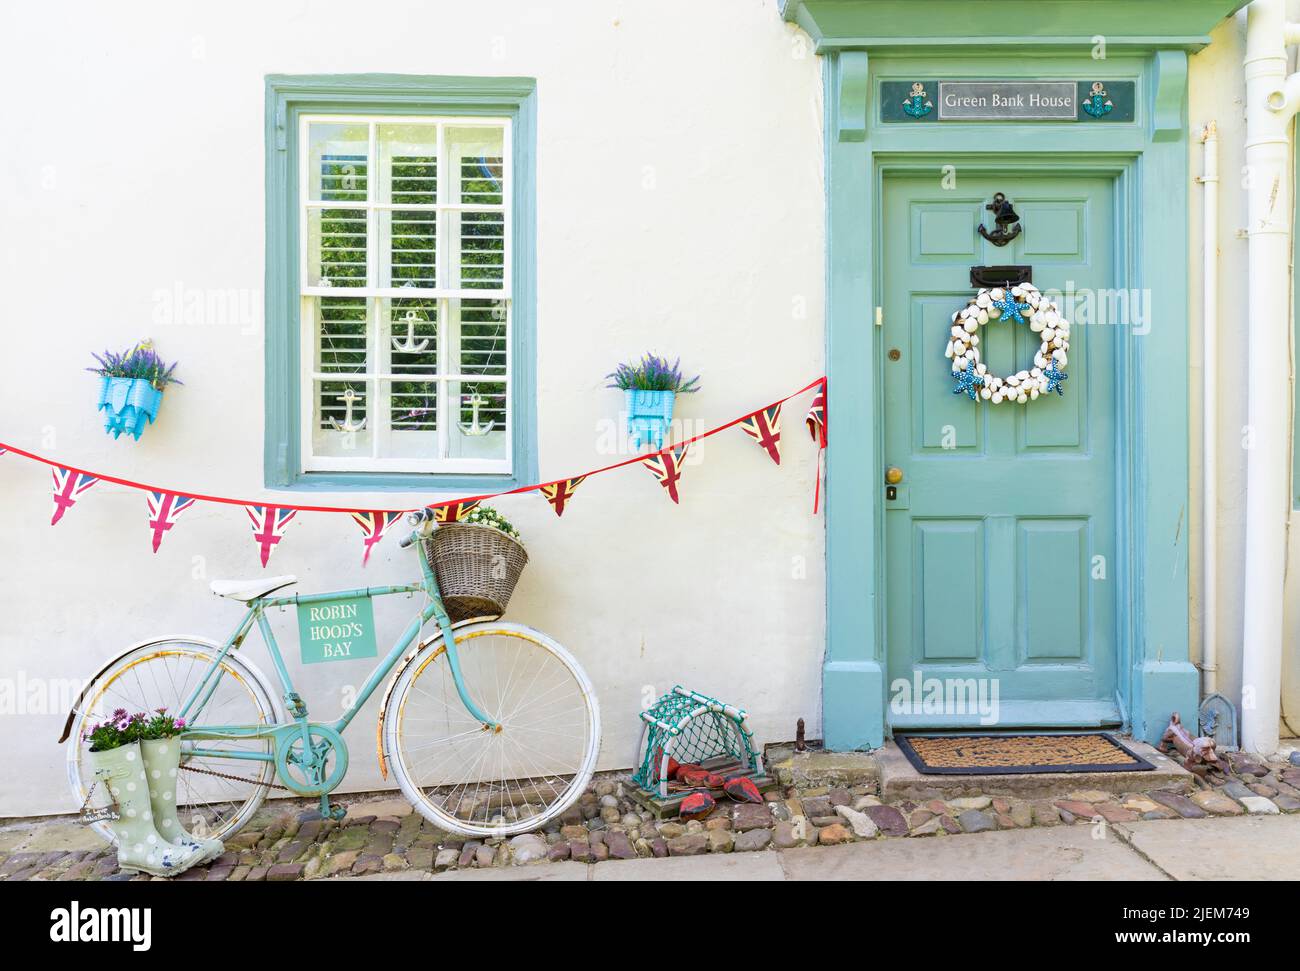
(918, 103)
(1097, 103)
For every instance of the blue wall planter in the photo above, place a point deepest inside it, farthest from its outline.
(129, 405)
(649, 413)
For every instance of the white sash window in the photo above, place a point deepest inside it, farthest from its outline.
(405, 293)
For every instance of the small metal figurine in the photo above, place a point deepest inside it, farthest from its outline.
(1195, 751)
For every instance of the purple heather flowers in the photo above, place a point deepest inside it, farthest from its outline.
(652, 373)
(143, 363)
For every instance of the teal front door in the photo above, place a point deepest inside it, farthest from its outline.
(1001, 535)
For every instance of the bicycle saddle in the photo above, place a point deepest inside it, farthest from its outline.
(246, 590)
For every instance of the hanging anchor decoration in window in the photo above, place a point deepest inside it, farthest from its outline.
(474, 428)
(409, 346)
(1097, 103)
(1006, 222)
(349, 398)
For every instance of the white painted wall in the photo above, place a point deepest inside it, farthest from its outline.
(681, 209)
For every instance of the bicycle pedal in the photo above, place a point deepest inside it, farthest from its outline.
(336, 811)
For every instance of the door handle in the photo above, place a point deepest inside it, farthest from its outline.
(893, 475)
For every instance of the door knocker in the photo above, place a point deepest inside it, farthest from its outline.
(1004, 218)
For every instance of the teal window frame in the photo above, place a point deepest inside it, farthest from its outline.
(288, 98)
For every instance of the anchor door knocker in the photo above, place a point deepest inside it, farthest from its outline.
(409, 345)
(349, 398)
(474, 429)
(1004, 218)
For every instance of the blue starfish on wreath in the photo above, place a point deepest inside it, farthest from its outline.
(968, 381)
(1010, 308)
(1055, 377)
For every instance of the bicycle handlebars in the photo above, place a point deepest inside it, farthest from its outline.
(420, 520)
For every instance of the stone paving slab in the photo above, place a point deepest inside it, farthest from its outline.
(1060, 853)
(716, 866)
(899, 779)
(1240, 848)
(564, 871)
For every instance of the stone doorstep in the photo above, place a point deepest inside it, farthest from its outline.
(816, 768)
(900, 780)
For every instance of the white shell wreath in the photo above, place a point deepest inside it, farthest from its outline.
(1022, 304)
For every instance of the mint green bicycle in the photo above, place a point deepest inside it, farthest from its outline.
(490, 728)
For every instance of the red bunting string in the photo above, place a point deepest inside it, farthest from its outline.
(269, 521)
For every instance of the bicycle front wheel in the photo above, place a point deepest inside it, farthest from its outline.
(478, 781)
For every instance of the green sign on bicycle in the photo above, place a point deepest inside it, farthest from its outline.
(338, 630)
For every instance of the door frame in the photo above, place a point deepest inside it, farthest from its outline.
(1149, 159)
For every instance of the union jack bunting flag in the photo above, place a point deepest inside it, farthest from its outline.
(816, 422)
(559, 493)
(375, 525)
(816, 419)
(67, 486)
(452, 512)
(268, 526)
(667, 467)
(764, 427)
(164, 509)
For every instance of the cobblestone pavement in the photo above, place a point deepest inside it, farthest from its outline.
(287, 840)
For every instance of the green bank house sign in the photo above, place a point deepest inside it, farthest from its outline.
(1016, 100)
(339, 630)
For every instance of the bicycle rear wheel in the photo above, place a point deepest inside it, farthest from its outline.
(470, 779)
(161, 674)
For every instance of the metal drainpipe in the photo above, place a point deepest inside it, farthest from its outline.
(1209, 180)
(1271, 102)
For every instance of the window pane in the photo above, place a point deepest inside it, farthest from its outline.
(337, 166)
(330, 432)
(336, 244)
(412, 336)
(410, 248)
(482, 250)
(341, 335)
(484, 337)
(408, 164)
(480, 430)
(413, 409)
(476, 155)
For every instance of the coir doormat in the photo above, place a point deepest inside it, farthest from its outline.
(1018, 754)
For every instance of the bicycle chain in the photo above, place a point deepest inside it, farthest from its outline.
(234, 778)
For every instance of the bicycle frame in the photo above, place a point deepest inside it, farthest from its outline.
(286, 734)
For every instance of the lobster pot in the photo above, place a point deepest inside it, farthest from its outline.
(691, 728)
(477, 568)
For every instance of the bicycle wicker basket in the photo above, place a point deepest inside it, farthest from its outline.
(477, 568)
